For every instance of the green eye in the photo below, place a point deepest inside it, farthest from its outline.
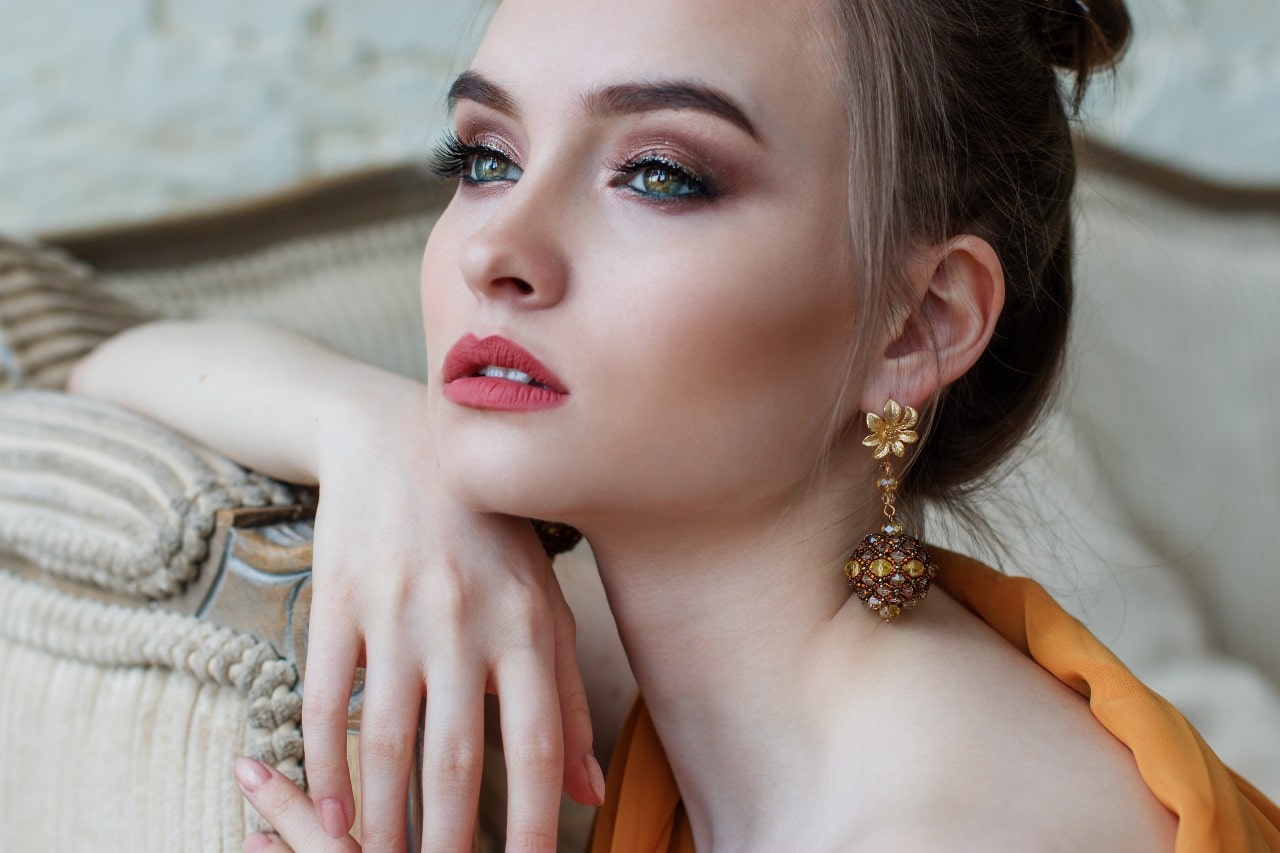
(488, 167)
(659, 179)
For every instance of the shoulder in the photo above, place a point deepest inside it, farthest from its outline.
(1017, 760)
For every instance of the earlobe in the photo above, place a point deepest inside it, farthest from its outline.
(958, 293)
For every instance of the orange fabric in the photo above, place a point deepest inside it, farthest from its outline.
(1217, 810)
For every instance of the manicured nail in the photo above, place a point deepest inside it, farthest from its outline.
(333, 817)
(251, 774)
(596, 776)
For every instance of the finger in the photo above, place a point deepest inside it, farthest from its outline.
(332, 650)
(453, 759)
(532, 740)
(286, 808)
(266, 842)
(583, 778)
(388, 746)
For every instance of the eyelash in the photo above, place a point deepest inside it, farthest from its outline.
(702, 188)
(453, 156)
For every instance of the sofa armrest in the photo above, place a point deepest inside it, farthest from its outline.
(51, 314)
(94, 494)
(125, 546)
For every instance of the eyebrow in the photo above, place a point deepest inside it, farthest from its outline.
(670, 95)
(615, 99)
(471, 86)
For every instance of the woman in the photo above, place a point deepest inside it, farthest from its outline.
(693, 244)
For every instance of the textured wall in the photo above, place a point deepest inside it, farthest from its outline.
(1200, 88)
(128, 108)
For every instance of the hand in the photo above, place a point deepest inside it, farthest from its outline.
(439, 601)
(434, 600)
(288, 810)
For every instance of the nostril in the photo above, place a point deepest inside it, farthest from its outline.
(511, 286)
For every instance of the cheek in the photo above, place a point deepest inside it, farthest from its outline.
(729, 347)
(441, 290)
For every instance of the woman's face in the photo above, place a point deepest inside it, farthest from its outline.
(653, 205)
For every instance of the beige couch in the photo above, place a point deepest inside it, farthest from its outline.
(152, 595)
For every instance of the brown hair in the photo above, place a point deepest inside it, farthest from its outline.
(959, 125)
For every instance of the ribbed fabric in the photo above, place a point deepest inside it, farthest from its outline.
(1168, 289)
(1218, 812)
(356, 290)
(97, 494)
(119, 726)
(51, 314)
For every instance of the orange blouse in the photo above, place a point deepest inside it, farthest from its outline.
(1216, 809)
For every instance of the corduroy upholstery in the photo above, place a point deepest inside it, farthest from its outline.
(102, 513)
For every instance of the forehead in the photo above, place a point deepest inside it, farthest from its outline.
(770, 56)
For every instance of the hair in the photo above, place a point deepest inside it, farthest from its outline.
(959, 125)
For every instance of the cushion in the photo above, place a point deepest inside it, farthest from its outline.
(51, 314)
(122, 723)
(92, 493)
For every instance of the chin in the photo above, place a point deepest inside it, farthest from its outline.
(508, 482)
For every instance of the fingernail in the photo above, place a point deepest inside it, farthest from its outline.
(333, 817)
(250, 774)
(596, 777)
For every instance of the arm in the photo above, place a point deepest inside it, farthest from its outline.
(463, 601)
(258, 395)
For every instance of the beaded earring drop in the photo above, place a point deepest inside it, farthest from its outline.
(889, 570)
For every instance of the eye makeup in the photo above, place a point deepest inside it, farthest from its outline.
(456, 159)
(652, 168)
(661, 178)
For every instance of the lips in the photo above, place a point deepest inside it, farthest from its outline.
(497, 374)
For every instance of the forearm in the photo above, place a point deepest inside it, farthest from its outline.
(271, 400)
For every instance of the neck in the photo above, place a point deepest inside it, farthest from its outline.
(745, 641)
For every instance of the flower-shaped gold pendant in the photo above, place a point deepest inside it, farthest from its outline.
(893, 432)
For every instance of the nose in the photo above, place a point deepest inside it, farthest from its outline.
(517, 255)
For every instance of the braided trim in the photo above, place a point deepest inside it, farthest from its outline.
(108, 635)
(101, 496)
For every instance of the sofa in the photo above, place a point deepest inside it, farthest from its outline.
(153, 595)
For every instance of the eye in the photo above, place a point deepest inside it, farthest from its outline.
(486, 166)
(659, 178)
(471, 163)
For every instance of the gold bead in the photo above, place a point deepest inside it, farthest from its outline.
(882, 568)
(890, 612)
(914, 568)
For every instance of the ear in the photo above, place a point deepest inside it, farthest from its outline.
(958, 291)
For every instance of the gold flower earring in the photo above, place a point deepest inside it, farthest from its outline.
(890, 571)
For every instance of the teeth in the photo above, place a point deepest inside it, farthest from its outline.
(509, 373)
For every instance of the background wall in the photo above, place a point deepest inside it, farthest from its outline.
(121, 109)
(113, 109)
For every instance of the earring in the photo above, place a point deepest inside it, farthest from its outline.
(890, 571)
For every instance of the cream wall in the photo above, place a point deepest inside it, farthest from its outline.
(114, 109)
(1200, 88)
(121, 109)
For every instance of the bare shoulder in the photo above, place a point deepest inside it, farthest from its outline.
(1018, 761)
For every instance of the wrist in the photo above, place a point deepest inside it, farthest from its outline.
(366, 414)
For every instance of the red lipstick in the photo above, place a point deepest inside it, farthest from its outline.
(499, 375)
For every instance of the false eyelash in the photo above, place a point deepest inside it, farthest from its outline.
(704, 189)
(451, 155)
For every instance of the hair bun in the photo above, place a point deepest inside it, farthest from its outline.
(1080, 36)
